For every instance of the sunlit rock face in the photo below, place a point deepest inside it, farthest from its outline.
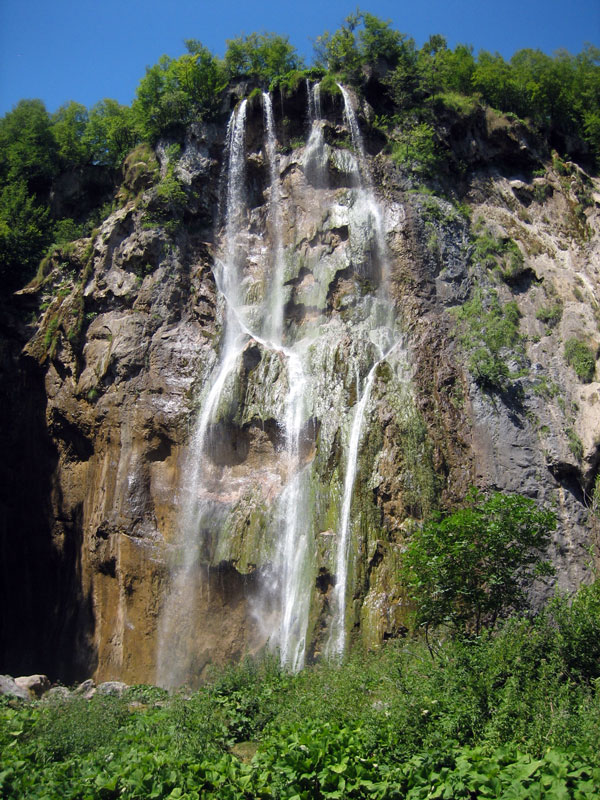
(267, 387)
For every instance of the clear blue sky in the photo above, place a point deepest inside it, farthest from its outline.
(61, 50)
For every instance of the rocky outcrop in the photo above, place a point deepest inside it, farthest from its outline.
(115, 370)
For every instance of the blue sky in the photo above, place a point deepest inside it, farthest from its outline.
(61, 50)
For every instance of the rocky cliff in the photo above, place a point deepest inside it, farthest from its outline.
(167, 439)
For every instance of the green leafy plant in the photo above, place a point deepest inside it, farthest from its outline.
(582, 358)
(550, 315)
(489, 333)
(575, 443)
(468, 568)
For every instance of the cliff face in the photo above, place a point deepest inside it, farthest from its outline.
(184, 459)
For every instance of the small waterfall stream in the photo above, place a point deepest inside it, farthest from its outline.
(273, 327)
(337, 634)
(315, 155)
(174, 657)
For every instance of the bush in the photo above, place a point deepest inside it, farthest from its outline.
(414, 146)
(467, 569)
(489, 333)
(582, 358)
(550, 315)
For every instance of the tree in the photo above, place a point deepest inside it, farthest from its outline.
(175, 92)
(28, 150)
(25, 230)
(69, 125)
(362, 39)
(470, 567)
(263, 55)
(110, 133)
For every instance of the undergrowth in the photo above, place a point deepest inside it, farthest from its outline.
(513, 713)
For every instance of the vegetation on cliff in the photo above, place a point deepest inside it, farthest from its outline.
(409, 88)
(513, 713)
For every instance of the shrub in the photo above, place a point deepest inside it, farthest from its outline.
(550, 315)
(489, 334)
(468, 568)
(582, 358)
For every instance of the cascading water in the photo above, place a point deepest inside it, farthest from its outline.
(177, 626)
(292, 551)
(337, 634)
(273, 327)
(315, 155)
(292, 540)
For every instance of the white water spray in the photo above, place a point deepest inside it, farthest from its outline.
(177, 624)
(337, 634)
(273, 327)
(337, 638)
(315, 154)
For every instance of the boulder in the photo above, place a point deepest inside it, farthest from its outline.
(36, 685)
(10, 688)
(58, 693)
(86, 688)
(115, 688)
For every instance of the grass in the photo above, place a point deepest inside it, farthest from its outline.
(502, 253)
(550, 315)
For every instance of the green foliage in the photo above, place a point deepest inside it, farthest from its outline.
(263, 55)
(165, 206)
(550, 315)
(489, 333)
(69, 126)
(575, 443)
(493, 251)
(578, 624)
(461, 104)
(175, 92)
(78, 727)
(28, 149)
(25, 232)
(468, 568)
(110, 133)
(513, 713)
(582, 358)
(414, 146)
(362, 39)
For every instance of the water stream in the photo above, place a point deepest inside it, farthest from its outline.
(336, 642)
(177, 624)
(273, 326)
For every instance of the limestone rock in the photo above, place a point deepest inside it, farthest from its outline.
(114, 688)
(36, 685)
(99, 425)
(10, 688)
(57, 694)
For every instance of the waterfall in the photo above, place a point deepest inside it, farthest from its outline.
(236, 201)
(299, 385)
(292, 550)
(315, 154)
(292, 545)
(273, 327)
(177, 624)
(337, 635)
(357, 142)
